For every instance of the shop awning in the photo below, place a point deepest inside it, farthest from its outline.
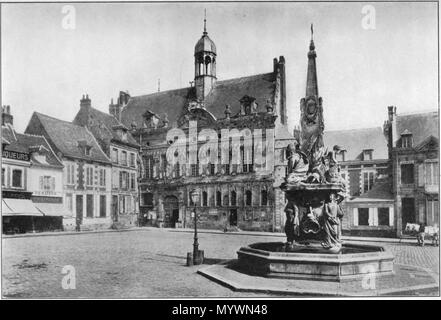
(53, 209)
(19, 207)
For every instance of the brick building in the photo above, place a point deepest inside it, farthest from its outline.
(369, 210)
(413, 146)
(119, 145)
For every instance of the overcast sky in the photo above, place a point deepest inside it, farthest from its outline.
(113, 47)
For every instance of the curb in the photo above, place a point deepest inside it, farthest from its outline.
(209, 231)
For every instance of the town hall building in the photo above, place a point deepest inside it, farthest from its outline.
(232, 195)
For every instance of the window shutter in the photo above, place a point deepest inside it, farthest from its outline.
(371, 216)
(421, 175)
(41, 182)
(391, 216)
(52, 183)
(355, 216)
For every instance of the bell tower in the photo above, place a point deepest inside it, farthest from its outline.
(205, 65)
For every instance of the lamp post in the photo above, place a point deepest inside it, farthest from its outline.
(198, 256)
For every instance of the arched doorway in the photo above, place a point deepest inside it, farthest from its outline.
(171, 209)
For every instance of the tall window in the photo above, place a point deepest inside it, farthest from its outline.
(3, 177)
(149, 168)
(432, 212)
(212, 169)
(368, 180)
(204, 198)
(264, 197)
(177, 170)
(132, 181)
(124, 158)
(70, 173)
(218, 199)
(233, 198)
(407, 176)
(102, 177)
(248, 198)
(102, 206)
(132, 160)
(363, 216)
(17, 178)
(115, 155)
(432, 175)
(194, 170)
(47, 183)
(123, 180)
(89, 176)
(69, 202)
(227, 169)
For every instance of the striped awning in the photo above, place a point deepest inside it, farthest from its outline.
(53, 209)
(19, 207)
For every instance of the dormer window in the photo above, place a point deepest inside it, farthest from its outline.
(406, 139)
(367, 154)
(85, 147)
(124, 135)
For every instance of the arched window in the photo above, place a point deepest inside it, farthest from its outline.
(204, 198)
(218, 199)
(248, 198)
(264, 197)
(233, 198)
(207, 64)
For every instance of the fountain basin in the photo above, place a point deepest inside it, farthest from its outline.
(272, 259)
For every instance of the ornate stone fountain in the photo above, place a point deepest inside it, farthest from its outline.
(314, 189)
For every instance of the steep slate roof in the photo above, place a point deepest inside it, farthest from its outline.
(20, 142)
(102, 126)
(65, 136)
(421, 125)
(172, 102)
(356, 140)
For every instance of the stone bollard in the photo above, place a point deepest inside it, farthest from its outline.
(189, 259)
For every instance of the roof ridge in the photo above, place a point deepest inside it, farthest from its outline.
(251, 76)
(60, 120)
(410, 113)
(160, 92)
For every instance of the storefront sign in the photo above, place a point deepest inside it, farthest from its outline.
(15, 155)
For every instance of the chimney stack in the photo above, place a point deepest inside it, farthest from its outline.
(7, 116)
(85, 101)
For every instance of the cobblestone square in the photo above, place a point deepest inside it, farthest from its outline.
(146, 263)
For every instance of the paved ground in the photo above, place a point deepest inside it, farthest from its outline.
(146, 263)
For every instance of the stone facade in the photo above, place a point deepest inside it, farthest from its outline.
(232, 195)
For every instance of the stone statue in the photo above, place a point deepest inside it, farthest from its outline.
(333, 173)
(292, 222)
(331, 224)
(297, 164)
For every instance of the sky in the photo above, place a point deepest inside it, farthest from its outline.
(47, 68)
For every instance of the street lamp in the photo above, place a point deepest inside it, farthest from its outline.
(198, 255)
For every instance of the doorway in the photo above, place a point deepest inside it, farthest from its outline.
(79, 208)
(114, 208)
(171, 208)
(408, 211)
(233, 217)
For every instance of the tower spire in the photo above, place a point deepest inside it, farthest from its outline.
(205, 21)
(311, 80)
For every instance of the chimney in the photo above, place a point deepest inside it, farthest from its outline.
(275, 65)
(85, 101)
(393, 135)
(7, 116)
(115, 109)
